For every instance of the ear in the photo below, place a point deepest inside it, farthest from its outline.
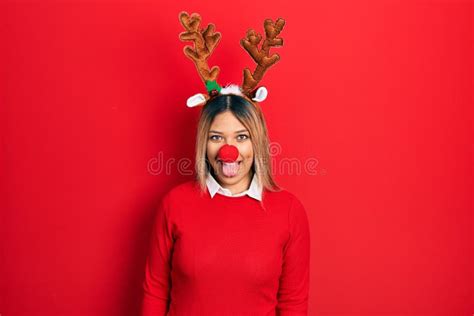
(195, 100)
(261, 94)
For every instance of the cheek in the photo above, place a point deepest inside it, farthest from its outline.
(247, 150)
(212, 151)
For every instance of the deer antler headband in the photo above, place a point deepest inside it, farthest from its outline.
(206, 40)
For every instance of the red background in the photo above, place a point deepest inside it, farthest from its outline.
(379, 92)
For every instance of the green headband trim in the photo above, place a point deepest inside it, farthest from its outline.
(212, 85)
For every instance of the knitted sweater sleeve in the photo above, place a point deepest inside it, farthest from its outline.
(157, 282)
(294, 280)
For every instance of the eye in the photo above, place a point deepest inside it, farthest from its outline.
(242, 137)
(214, 137)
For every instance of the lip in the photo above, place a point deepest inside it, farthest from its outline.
(220, 161)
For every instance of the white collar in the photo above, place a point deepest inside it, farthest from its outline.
(254, 191)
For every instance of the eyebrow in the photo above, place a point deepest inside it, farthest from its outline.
(217, 132)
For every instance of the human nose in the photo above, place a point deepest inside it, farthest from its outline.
(230, 141)
(228, 153)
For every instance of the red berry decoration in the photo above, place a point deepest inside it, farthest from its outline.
(228, 153)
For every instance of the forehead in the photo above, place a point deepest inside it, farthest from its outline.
(226, 122)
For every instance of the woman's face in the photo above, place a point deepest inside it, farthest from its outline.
(227, 129)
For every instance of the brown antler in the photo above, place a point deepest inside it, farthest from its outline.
(261, 57)
(204, 43)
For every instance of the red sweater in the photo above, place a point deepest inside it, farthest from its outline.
(227, 256)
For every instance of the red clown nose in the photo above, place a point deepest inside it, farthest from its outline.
(228, 153)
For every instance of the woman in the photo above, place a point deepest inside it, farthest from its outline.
(231, 241)
(216, 250)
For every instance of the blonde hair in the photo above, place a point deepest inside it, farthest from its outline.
(251, 116)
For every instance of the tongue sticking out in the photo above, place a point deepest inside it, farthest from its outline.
(228, 155)
(230, 169)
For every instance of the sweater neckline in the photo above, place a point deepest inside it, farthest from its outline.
(230, 197)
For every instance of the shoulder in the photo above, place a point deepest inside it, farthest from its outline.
(177, 198)
(186, 189)
(290, 204)
(183, 187)
(298, 220)
(283, 197)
